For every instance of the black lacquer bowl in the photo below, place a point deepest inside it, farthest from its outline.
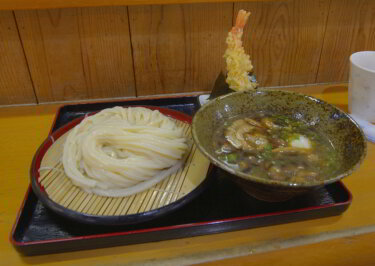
(55, 190)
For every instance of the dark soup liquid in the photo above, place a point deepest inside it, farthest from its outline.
(275, 147)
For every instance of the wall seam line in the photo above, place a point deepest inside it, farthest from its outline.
(24, 54)
(132, 53)
(323, 42)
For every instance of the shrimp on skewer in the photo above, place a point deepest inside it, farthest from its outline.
(238, 62)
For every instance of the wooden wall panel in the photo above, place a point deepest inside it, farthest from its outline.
(15, 83)
(107, 50)
(284, 39)
(178, 48)
(83, 53)
(350, 28)
(52, 46)
(78, 53)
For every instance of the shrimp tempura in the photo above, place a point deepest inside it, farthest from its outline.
(238, 62)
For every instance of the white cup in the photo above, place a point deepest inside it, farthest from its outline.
(362, 91)
(362, 85)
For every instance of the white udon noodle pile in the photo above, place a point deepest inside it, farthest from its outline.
(122, 151)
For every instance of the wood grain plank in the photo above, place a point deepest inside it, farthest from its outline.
(78, 53)
(15, 83)
(350, 28)
(178, 48)
(284, 39)
(52, 46)
(32, 39)
(107, 52)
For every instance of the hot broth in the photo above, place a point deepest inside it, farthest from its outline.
(276, 147)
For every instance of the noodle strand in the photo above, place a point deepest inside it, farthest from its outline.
(121, 151)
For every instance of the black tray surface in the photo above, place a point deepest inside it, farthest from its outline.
(67, 113)
(222, 207)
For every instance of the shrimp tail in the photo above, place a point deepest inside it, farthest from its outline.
(241, 21)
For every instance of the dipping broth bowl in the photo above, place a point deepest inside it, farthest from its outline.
(344, 133)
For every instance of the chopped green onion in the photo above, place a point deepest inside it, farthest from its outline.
(268, 147)
(222, 157)
(232, 158)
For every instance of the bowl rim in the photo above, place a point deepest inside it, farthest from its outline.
(271, 182)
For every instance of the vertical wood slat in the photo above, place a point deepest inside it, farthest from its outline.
(284, 39)
(15, 83)
(78, 53)
(52, 47)
(178, 48)
(106, 48)
(350, 28)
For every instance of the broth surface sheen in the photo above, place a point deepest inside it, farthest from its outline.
(275, 147)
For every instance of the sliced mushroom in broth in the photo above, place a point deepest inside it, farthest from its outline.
(275, 147)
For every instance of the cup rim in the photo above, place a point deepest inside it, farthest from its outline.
(352, 57)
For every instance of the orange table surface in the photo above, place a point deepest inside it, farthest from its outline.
(348, 239)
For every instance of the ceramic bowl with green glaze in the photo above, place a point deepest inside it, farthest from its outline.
(345, 135)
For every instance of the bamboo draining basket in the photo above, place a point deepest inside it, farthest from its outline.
(52, 184)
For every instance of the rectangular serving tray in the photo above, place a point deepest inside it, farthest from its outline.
(222, 207)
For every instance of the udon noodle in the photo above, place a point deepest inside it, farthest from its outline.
(122, 151)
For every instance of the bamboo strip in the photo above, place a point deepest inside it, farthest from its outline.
(63, 192)
(167, 188)
(159, 187)
(71, 198)
(61, 189)
(172, 188)
(48, 171)
(122, 205)
(149, 195)
(105, 206)
(54, 184)
(85, 202)
(166, 198)
(78, 200)
(163, 187)
(47, 181)
(113, 207)
(184, 176)
(55, 151)
(99, 205)
(67, 196)
(127, 205)
(137, 203)
(94, 201)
